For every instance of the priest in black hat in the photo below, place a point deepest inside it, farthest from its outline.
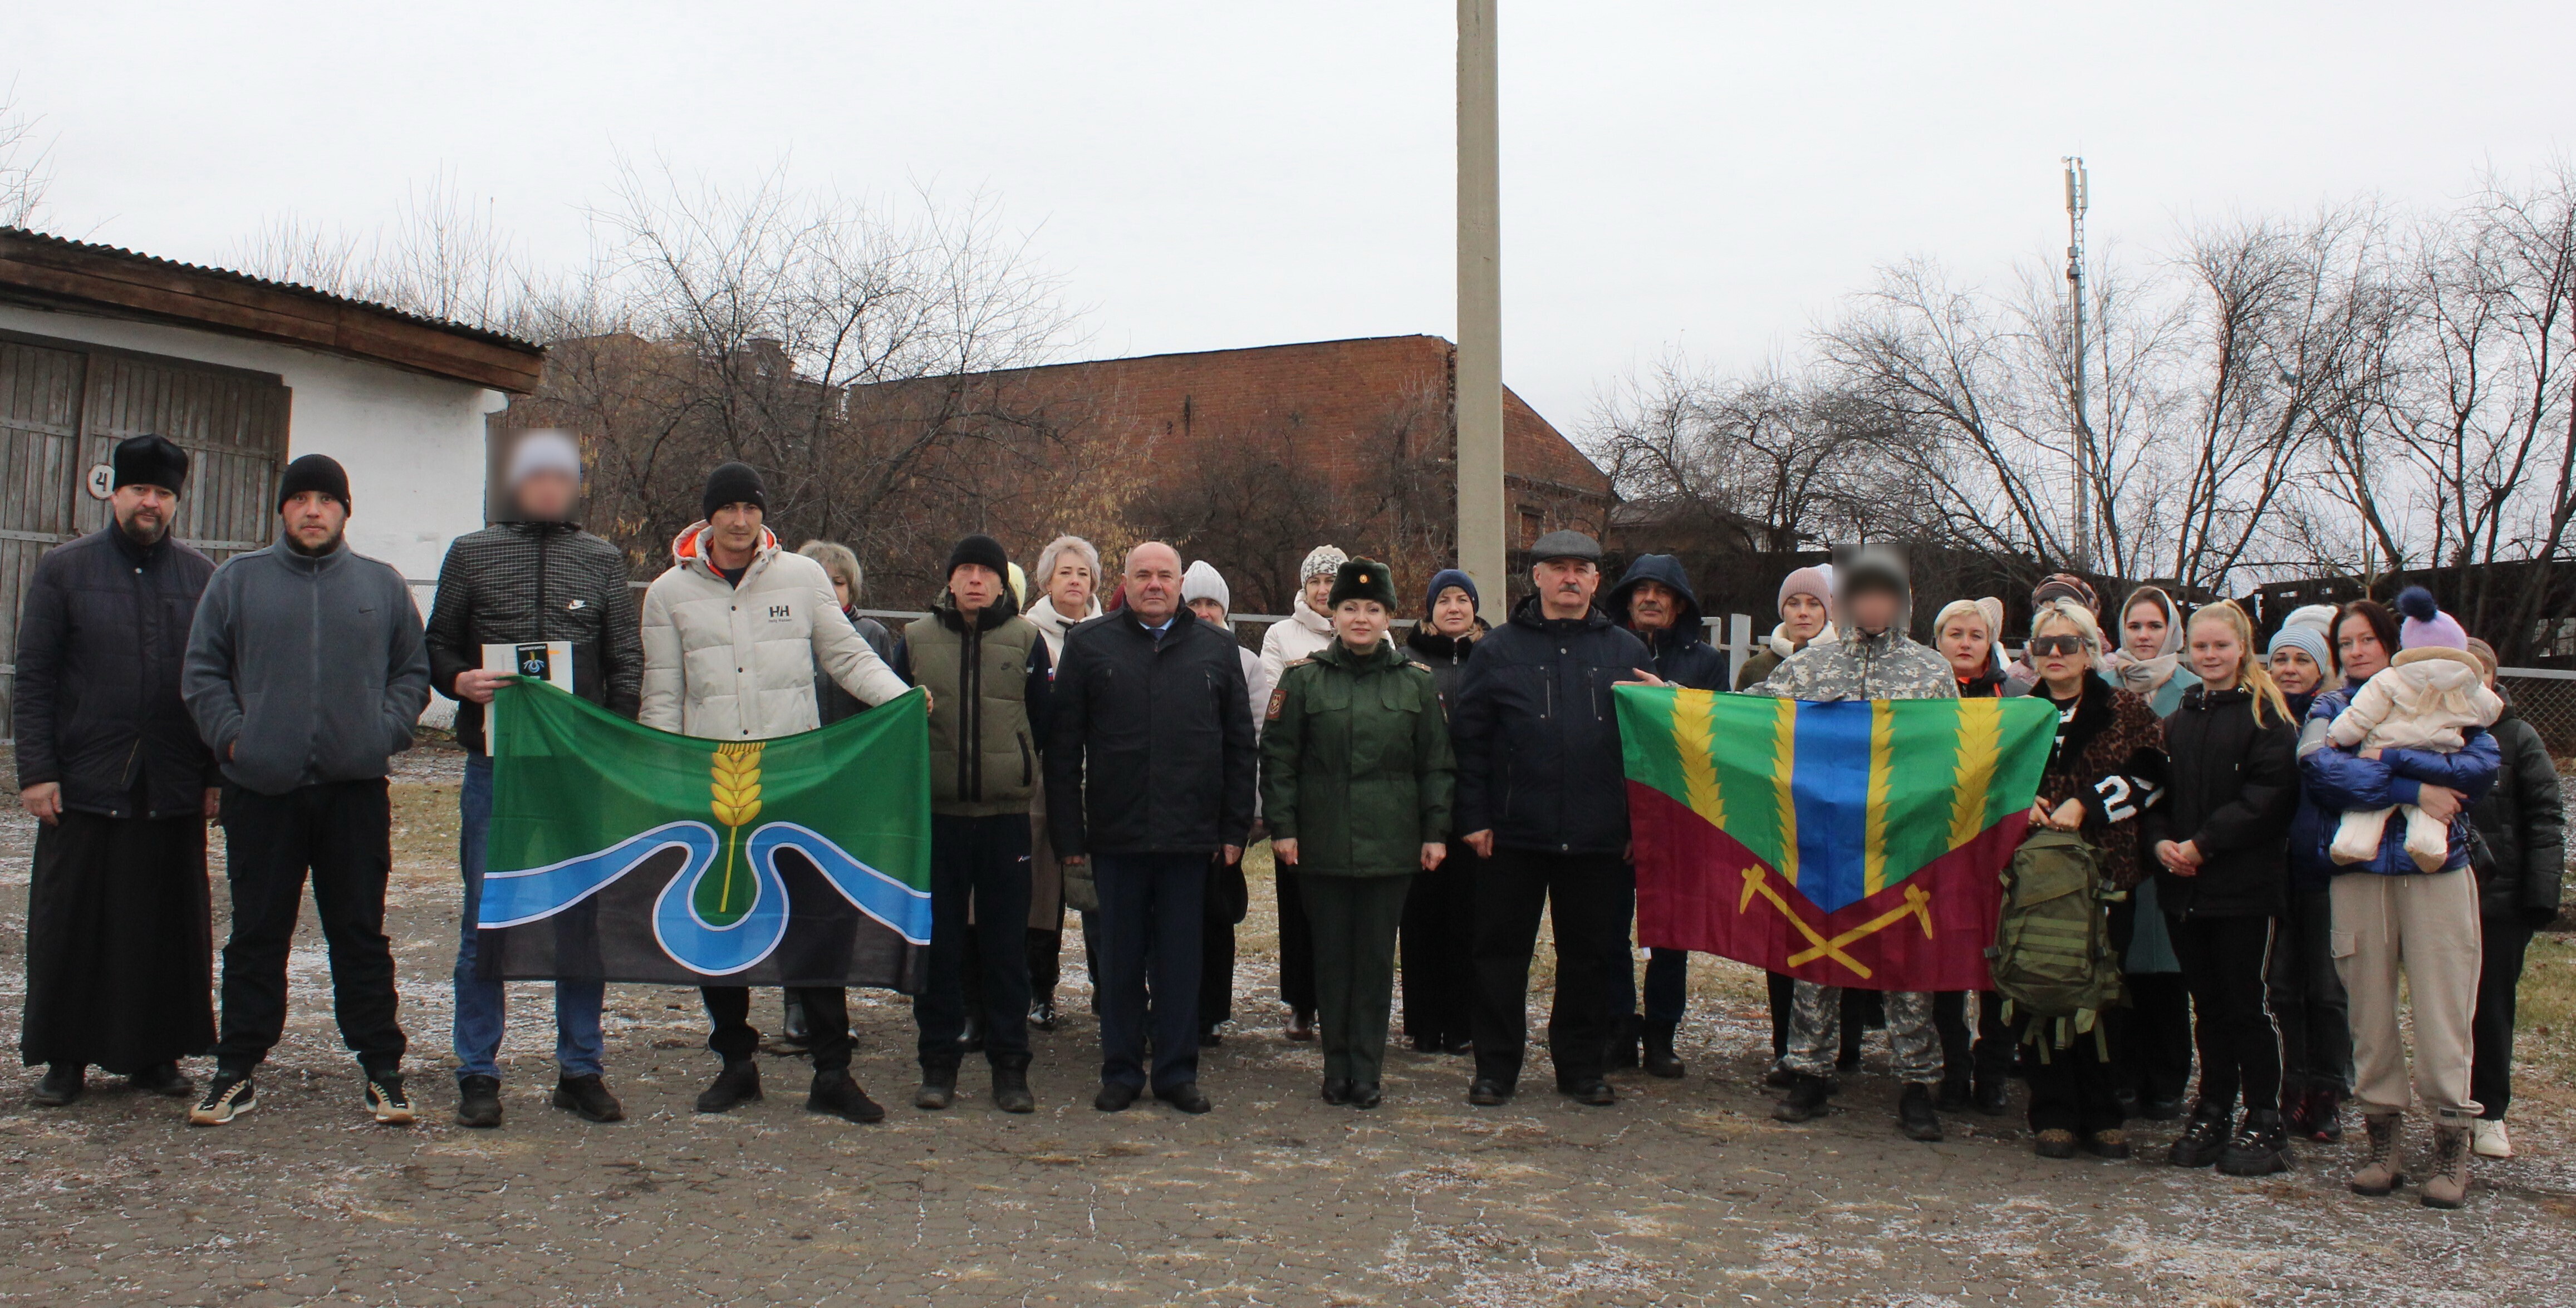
(119, 955)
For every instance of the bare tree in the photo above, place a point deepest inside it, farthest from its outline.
(26, 164)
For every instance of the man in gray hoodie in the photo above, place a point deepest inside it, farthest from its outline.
(305, 673)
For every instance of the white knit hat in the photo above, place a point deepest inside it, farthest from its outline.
(1321, 561)
(1203, 581)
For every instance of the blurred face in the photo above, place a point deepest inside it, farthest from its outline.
(2215, 654)
(546, 496)
(1453, 614)
(974, 587)
(1319, 591)
(2294, 672)
(313, 521)
(735, 532)
(1653, 606)
(1872, 610)
(2358, 647)
(1208, 611)
(2143, 631)
(144, 512)
(2058, 654)
(1565, 586)
(1154, 582)
(1802, 616)
(1963, 641)
(1361, 623)
(1069, 585)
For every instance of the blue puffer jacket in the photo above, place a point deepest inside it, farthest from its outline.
(2310, 869)
(2336, 780)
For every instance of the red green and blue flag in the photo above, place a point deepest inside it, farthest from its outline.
(1852, 844)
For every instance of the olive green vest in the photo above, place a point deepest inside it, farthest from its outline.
(983, 749)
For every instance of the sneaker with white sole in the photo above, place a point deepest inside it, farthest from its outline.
(2488, 1140)
(385, 1099)
(228, 1096)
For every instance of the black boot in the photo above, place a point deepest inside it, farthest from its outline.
(938, 1085)
(1011, 1085)
(1806, 1098)
(61, 1084)
(478, 1101)
(834, 1093)
(2261, 1146)
(738, 1083)
(1623, 1044)
(1660, 1059)
(587, 1097)
(163, 1079)
(1915, 1115)
(2203, 1137)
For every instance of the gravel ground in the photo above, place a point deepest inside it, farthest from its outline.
(1685, 1193)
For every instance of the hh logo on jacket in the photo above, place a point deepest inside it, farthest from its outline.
(781, 612)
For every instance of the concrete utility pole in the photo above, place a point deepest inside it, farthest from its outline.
(2079, 197)
(1480, 312)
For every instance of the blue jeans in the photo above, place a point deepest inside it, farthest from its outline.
(479, 1006)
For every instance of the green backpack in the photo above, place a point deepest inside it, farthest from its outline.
(2052, 957)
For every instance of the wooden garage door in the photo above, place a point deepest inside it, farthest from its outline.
(64, 405)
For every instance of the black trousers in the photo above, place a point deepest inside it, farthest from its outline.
(2223, 961)
(1590, 899)
(340, 835)
(1783, 993)
(979, 870)
(2308, 1000)
(1438, 938)
(1045, 952)
(1145, 936)
(2504, 940)
(1985, 1059)
(1296, 947)
(120, 955)
(827, 1019)
(2071, 1089)
(2150, 1033)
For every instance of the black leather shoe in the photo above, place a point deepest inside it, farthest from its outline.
(478, 1101)
(1660, 1058)
(587, 1097)
(1337, 1090)
(164, 1079)
(1806, 1098)
(1595, 1092)
(1485, 1092)
(737, 1084)
(1301, 1026)
(61, 1084)
(1367, 1094)
(1114, 1097)
(938, 1087)
(837, 1094)
(1011, 1085)
(1915, 1115)
(1185, 1097)
(2261, 1146)
(1992, 1098)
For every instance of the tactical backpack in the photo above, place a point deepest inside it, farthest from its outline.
(2052, 958)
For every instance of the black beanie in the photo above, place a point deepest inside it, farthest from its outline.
(732, 483)
(980, 548)
(149, 461)
(315, 472)
(1365, 579)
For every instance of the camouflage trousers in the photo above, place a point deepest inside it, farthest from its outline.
(1816, 1033)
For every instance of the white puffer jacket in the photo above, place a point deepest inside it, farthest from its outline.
(1305, 632)
(732, 662)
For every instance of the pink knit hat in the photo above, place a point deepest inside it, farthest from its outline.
(1816, 581)
(2426, 625)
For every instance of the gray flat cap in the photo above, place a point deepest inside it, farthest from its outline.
(1565, 545)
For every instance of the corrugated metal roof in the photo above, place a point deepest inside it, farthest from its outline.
(292, 288)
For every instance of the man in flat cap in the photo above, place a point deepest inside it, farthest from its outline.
(1543, 796)
(119, 957)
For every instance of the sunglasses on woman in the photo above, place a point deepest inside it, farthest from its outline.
(2050, 646)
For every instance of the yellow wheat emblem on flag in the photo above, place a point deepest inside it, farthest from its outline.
(735, 785)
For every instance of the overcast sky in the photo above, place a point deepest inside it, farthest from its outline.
(1708, 176)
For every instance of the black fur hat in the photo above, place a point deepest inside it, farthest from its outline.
(1365, 579)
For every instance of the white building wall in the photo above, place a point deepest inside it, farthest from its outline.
(413, 445)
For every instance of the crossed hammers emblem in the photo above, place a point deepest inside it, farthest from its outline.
(1917, 906)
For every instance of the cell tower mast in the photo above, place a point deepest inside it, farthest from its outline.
(2078, 199)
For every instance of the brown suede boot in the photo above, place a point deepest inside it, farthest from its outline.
(2448, 1186)
(2383, 1170)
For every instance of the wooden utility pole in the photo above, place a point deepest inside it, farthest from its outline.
(1480, 312)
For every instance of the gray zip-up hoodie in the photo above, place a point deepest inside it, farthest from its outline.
(303, 670)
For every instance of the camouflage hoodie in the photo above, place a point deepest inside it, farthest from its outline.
(1865, 665)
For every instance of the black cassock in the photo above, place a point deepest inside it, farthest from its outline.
(120, 952)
